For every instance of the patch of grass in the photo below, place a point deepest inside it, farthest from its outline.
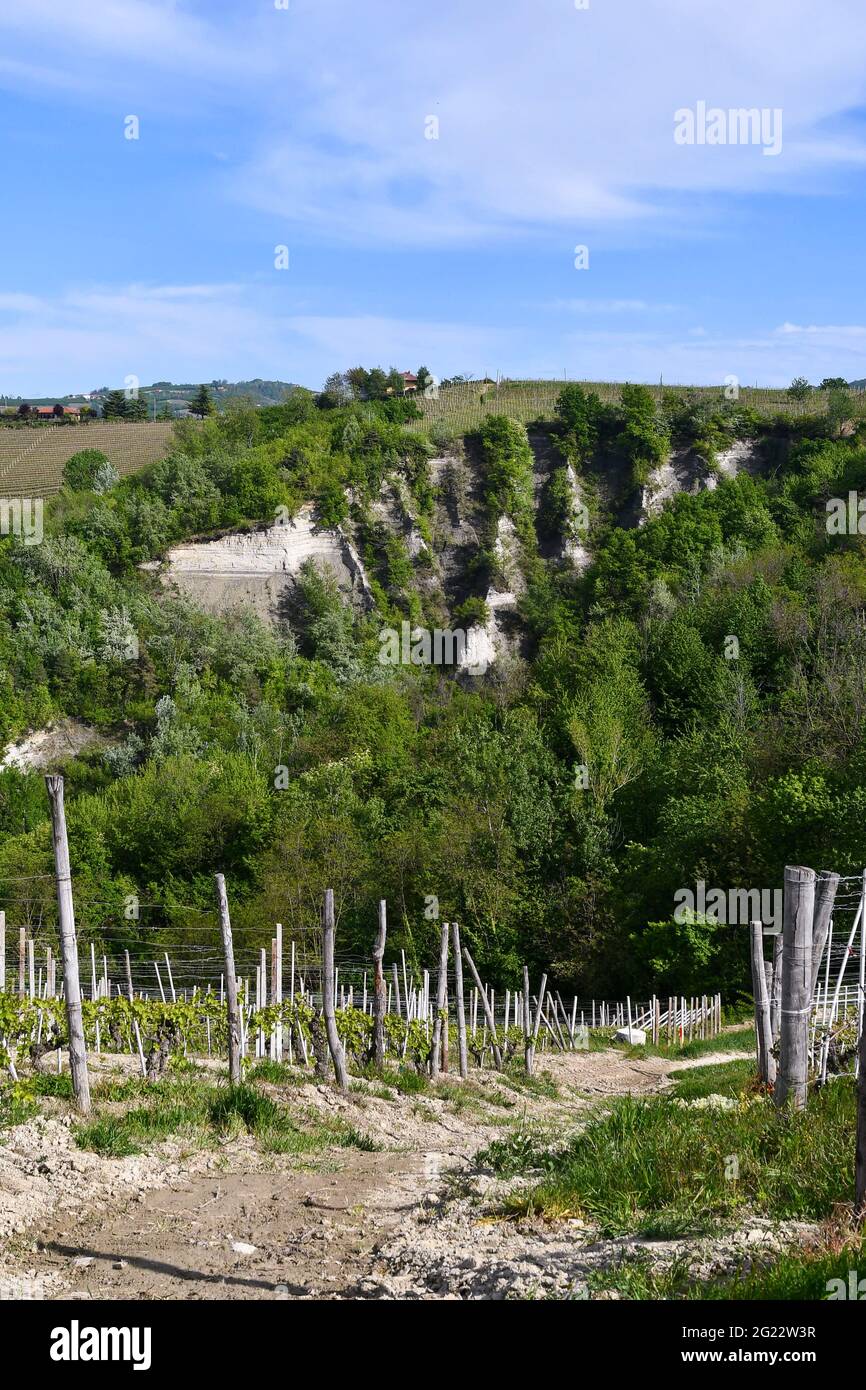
(277, 1073)
(203, 1113)
(521, 1152)
(720, 1079)
(541, 1084)
(351, 1138)
(109, 1137)
(801, 1274)
(657, 1167)
(738, 1040)
(47, 1083)
(129, 1088)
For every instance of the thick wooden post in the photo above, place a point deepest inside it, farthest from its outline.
(458, 1002)
(825, 897)
(441, 993)
(763, 1032)
(799, 902)
(69, 946)
(379, 996)
(231, 982)
(2, 952)
(128, 976)
(22, 956)
(338, 1056)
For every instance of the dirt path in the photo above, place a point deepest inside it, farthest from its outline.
(347, 1223)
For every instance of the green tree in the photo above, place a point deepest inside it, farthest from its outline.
(114, 406)
(202, 403)
(799, 388)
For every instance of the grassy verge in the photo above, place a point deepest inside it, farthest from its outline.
(799, 1274)
(204, 1115)
(737, 1040)
(734, 1079)
(660, 1168)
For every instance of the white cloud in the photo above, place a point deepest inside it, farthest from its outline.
(95, 336)
(550, 118)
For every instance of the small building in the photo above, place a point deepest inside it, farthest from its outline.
(410, 382)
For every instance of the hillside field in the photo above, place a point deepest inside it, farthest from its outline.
(32, 458)
(463, 407)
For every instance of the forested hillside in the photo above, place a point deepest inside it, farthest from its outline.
(620, 746)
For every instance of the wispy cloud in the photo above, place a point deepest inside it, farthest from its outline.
(567, 123)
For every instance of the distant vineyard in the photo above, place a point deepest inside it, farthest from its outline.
(32, 458)
(464, 406)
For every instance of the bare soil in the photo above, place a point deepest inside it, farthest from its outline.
(403, 1221)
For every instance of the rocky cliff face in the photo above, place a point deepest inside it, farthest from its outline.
(452, 555)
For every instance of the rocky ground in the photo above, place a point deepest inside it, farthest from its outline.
(408, 1219)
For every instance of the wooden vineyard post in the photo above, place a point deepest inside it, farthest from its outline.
(488, 1013)
(825, 897)
(539, 1010)
(69, 947)
(776, 991)
(441, 992)
(277, 986)
(231, 982)
(335, 1046)
(128, 976)
(527, 1023)
(799, 900)
(22, 954)
(379, 996)
(458, 1002)
(763, 1032)
(2, 952)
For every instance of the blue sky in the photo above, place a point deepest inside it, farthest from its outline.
(304, 123)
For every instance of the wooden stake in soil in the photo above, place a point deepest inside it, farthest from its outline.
(458, 1001)
(379, 997)
(231, 982)
(128, 976)
(763, 1031)
(69, 946)
(2, 952)
(825, 897)
(335, 1046)
(441, 991)
(799, 902)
